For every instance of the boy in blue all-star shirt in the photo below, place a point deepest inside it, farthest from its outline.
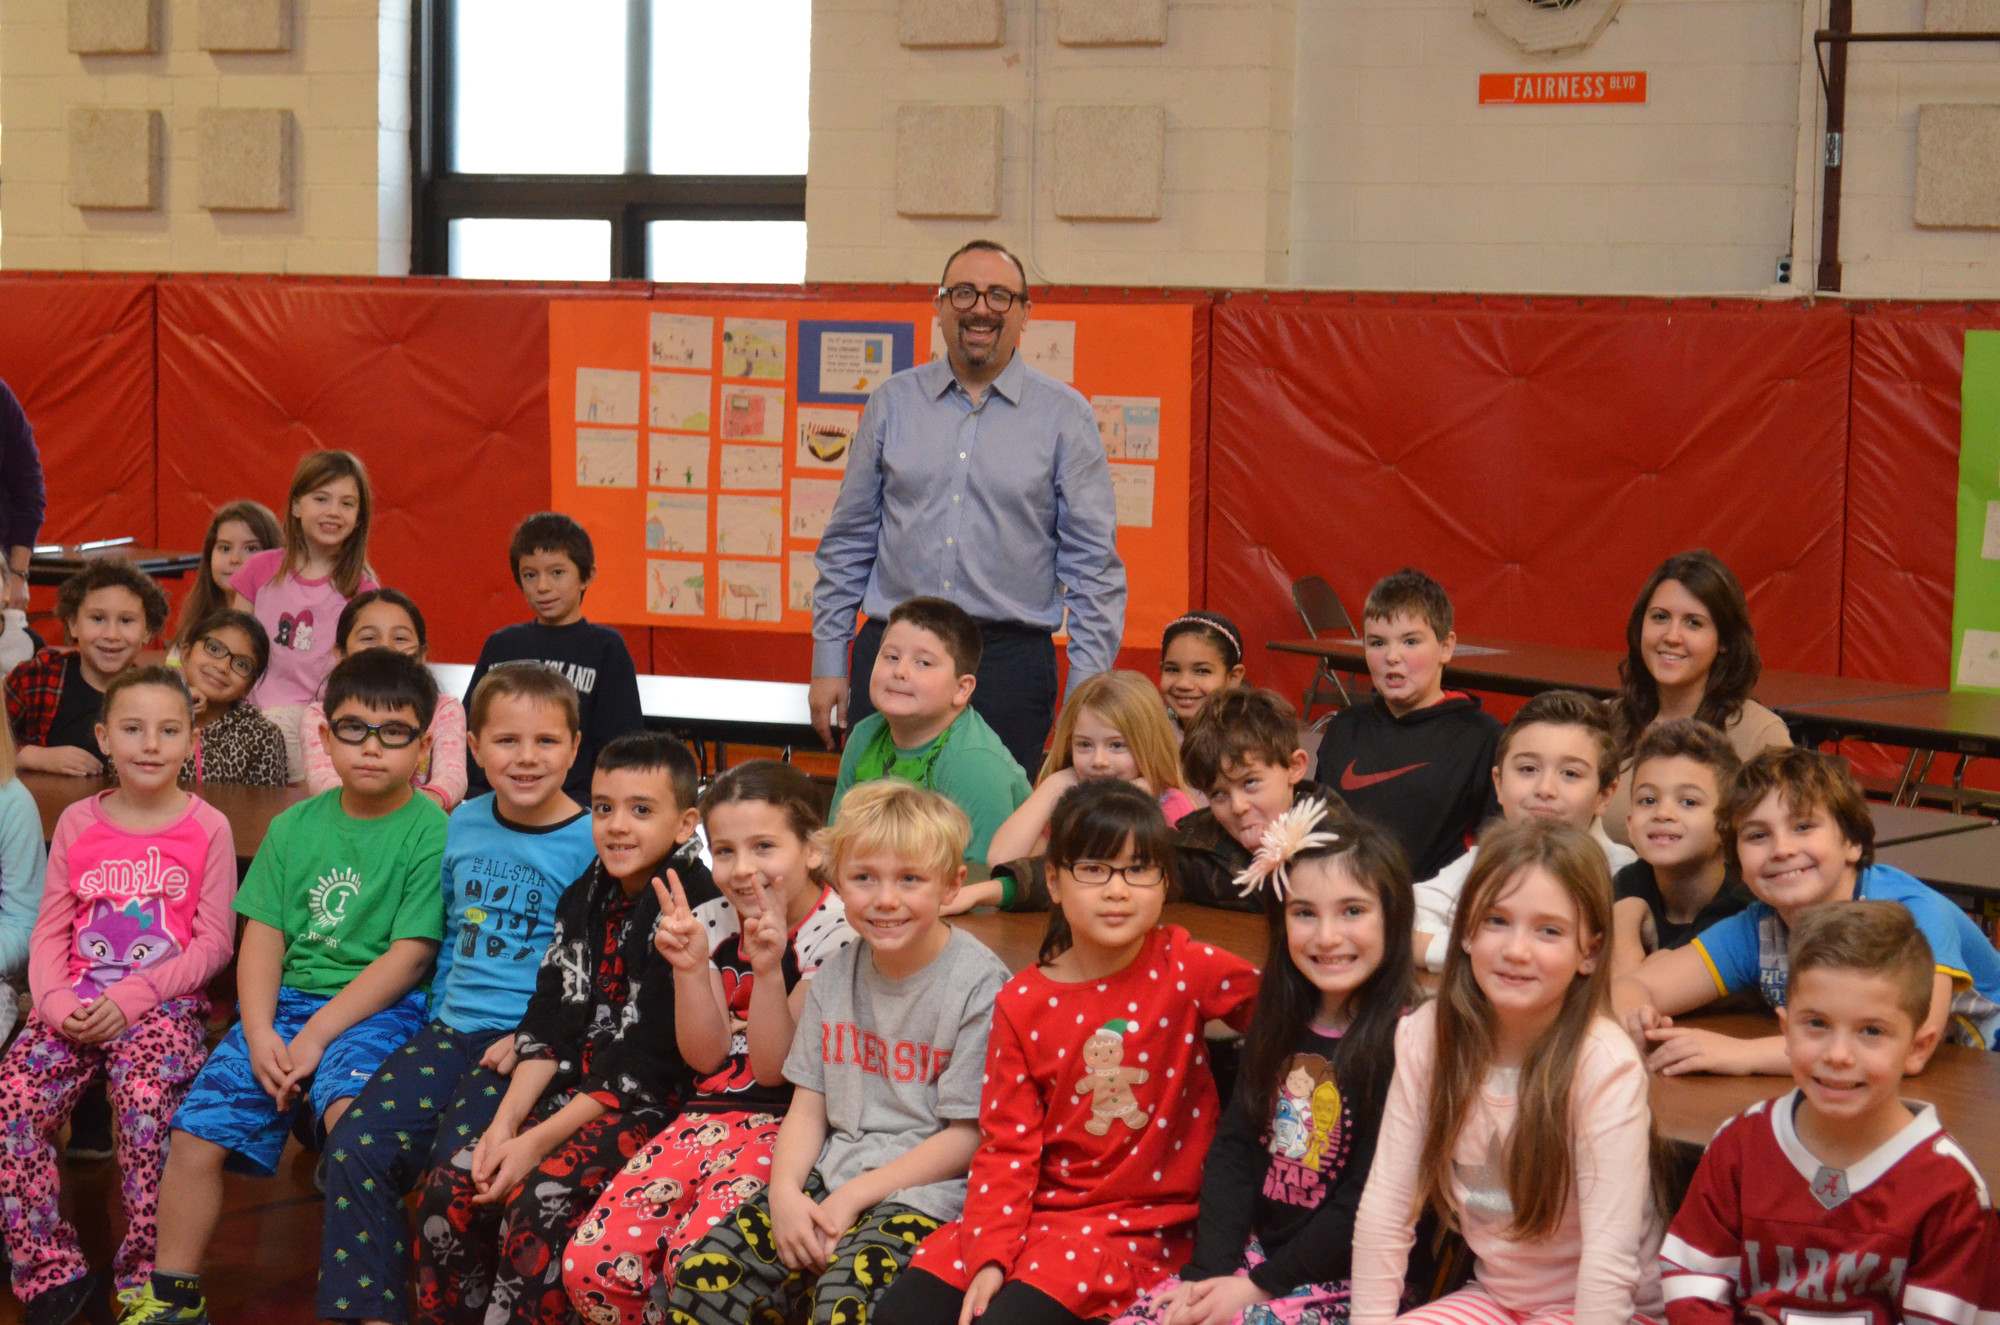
(1801, 832)
(508, 857)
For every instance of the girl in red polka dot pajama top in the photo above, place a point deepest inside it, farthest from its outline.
(1099, 1105)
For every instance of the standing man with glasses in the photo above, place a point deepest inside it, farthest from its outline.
(980, 480)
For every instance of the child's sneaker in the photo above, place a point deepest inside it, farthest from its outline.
(65, 1302)
(139, 1306)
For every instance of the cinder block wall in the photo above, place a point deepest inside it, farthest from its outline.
(344, 81)
(1223, 79)
(1405, 182)
(1884, 252)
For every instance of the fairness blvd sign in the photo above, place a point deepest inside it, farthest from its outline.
(1581, 89)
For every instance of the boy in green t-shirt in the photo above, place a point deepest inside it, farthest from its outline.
(923, 729)
(345, 915)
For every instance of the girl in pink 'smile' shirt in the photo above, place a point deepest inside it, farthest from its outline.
(388, 619)
(135, 921)
(1112, 726)
(1518, 1110)
(299, 590)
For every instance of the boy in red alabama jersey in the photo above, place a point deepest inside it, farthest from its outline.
(1839, 1202)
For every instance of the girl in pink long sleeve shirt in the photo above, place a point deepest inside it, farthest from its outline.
(1518, 1108)
(135, 921)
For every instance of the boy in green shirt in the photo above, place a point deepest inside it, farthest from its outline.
(923, 729)
(345, 914)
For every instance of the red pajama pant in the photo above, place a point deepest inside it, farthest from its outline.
(687, 1179)
(148, 1070)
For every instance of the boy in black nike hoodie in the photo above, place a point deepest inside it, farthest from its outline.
(1413, 757)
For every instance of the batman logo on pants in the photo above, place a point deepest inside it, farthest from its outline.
(709, 1272)
(910, 1228)
(848, 1311)
(874, 1267)
(755, 1226)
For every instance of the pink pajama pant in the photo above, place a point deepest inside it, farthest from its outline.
(687, 1180)
(148, 1070)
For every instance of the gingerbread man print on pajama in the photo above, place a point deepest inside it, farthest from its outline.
(1098, 1107)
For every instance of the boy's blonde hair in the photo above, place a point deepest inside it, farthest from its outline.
(1870, 938)
(1804, 780)
(1131, 703)
(905, 821)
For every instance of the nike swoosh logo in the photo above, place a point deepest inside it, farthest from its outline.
(1353, 781)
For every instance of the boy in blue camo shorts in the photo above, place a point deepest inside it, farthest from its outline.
(345, 914)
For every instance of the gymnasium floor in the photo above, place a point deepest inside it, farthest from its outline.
(264, 1262)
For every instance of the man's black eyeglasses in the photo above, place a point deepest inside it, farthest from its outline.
(963, 297)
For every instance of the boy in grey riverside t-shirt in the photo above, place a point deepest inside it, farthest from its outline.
(896, 1059)
(897, 1062)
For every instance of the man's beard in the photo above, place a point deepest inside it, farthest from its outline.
(978, 357)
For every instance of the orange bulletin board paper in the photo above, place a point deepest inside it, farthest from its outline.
(701, 442)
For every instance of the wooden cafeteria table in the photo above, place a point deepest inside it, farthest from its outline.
(53, 564)
(1963, 1083)
(1895, 824)
(248, 809)
(1514, 667)
(1957, 862)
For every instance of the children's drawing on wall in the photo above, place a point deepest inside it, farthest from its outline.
(1132, 488)
(674, 588)
(1051, 347)
(753, 347)
(854, 362)
(675, 523)
(753, 468)
(606, 458)
(683, 341)
(749, 526)
(749, 590)
(824, 436)
(1129, 426)
(676, 462)
(812, 506)
(680, 401)
(800, 577)
(753, 413)
(607, 395)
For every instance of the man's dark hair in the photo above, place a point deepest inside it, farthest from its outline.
(952, 624)
(989, 246)
(648, 752)
(383, 679)
(552, 531)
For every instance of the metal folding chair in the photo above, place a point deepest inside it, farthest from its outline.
(1321, 612)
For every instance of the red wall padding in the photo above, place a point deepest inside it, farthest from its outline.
(78, 351)
(1539, 457)
(442, 390)
(1903, 500)
(1903, 484)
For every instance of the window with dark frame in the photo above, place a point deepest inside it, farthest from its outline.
(610, 139)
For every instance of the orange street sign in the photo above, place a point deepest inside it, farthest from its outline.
(1562, 89)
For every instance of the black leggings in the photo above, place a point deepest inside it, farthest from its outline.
(919, 1297)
